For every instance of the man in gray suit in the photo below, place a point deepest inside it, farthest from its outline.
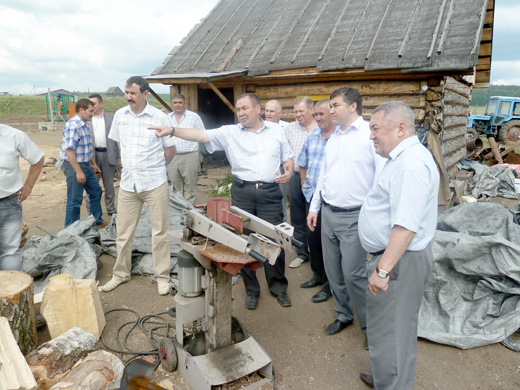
(106, 151)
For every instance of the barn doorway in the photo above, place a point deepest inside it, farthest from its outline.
(213, 110)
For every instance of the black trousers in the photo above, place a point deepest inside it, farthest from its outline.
(265, 204)
(314, 239)
(297, 204)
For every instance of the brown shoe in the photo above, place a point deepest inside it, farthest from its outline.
(367, 380)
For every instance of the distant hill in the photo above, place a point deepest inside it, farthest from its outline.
(481, 96)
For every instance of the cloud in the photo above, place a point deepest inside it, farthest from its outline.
(91, 45)
(505, 72)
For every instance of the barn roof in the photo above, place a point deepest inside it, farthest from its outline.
(257, 37)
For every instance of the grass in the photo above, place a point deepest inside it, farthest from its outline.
(36, 105)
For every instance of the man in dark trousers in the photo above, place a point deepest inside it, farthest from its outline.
(106, 150)
(255, 149)
(309, 161)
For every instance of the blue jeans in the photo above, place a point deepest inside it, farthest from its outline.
(75, 193)
(10, 233)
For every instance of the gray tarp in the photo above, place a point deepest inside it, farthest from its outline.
(492, 181)
(473, 295)
(74, 250)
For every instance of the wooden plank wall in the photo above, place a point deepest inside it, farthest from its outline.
(456, 96)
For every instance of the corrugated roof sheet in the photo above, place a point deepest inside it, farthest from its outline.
(410, 35)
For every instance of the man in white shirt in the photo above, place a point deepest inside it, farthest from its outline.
(347, 174)
(296, 133)
(182, 171)
(396, 224)
(106, 150)
(143, 180)
(13, 191)
(273, 112)
(255, 149)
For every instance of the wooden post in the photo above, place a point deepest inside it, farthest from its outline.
(218, 309)
(192, 98)
(17, 305)
(54, 359)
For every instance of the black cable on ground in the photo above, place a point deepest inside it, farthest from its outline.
(153, 326)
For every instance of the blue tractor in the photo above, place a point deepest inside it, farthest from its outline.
(501, 120)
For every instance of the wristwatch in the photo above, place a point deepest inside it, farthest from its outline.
(173, 132)
(382, 273)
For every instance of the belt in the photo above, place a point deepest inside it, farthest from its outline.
(100, 149)
(81, 164)
(377, 253)
(259, 185)
(340, 209)
(15, 195)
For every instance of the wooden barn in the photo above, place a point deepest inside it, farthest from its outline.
(429, 54)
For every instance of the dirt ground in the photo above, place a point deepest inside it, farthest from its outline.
(303, 355)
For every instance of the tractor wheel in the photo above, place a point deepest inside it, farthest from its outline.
(510, 131)
(471, 134)
(168, 355)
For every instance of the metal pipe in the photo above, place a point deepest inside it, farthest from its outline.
(474, 143)
(496, 151)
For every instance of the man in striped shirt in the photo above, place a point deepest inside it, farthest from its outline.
(296, 133)
(143, 180)
(182, 171)
(255, 149)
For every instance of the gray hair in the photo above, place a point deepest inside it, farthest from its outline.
(323, 101)
(304, 99)
(397, 111)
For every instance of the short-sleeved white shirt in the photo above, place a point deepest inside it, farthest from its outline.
(14, 143)
(142, 153)
(253, 156)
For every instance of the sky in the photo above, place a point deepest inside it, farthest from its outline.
(97, 44)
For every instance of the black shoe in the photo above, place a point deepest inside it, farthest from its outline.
(283, 299)
(320, 296)
(367, 380)
(337, 326)
(311, 283)
(251, 302)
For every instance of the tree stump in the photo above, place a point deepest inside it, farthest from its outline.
(55, 358)
(17, 305)
(68, 303)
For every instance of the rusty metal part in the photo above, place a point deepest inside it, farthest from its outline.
(140, 382)
(496, 151)
(476, 143)
(224, 254)
(135, 374)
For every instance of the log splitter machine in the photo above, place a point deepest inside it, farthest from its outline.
(214, 248)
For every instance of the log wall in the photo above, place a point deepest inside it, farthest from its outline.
(448, 96)
(456, 97)
(373, 93)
